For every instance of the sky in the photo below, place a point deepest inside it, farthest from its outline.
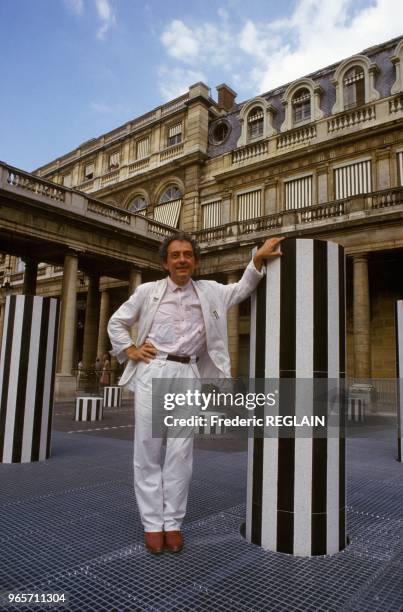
(72, 70)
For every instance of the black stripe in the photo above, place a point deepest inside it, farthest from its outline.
(399, 367)
(9, 326)
(320, 309)
(22, 377)
(320, 401)
(52, 379)
(257, 471)
(286, 446)
(40, 382)
(342, 467)
(288, 310)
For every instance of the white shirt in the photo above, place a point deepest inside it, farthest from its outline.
(178, 325)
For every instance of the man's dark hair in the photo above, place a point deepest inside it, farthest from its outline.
(163, 250)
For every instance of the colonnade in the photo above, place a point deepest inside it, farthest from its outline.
(98, 311)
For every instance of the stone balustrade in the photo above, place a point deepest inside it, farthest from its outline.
(296, 137)
(139, 165)
(172, 152)
(396, 105)
(37, 186)
(351, 118)
(252, 150)
(110, 177)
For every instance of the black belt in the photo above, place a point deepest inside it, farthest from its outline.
(180, 359)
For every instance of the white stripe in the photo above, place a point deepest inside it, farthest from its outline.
(47, 379)
(13, 380)
(26, 452)
(304, 393)
(270, 444)
(3, 343)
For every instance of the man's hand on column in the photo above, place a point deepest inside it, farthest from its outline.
(271, 248)
(146, 352)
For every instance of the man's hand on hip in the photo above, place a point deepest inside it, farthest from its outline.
(271, 248)
(146, 352)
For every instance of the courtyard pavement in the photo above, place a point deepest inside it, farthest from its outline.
(70, 525)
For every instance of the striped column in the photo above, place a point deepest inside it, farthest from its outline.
(296, 484)
(27, 375)
(211, 427)
(112, 397)
(356, 410)
(88, 409)
(399, 374)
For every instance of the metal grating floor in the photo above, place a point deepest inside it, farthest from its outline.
(70, 525)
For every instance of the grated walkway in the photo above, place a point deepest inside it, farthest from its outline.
(70, 525)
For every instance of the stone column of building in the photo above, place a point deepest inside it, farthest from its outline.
(104, 314)
(91, 324)
(361, 315)
(30, 274)
(68, 315)
(233, 329)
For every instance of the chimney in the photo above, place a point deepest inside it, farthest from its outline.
(226, 97)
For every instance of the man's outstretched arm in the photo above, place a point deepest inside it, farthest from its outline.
(270, 249)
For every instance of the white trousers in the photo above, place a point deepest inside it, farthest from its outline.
(161, 487)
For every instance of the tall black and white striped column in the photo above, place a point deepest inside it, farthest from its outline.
(399, 373)
(27, 375)
(296, 484)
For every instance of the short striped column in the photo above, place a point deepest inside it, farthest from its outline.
(399, 374)
(356, 409)
(89, 409)
(296, 484)
(27, 376)
(212, 426)
(112, 397)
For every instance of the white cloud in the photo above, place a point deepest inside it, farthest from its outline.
(105, 15)
(263, 55)
(76, 6)
(175, 82)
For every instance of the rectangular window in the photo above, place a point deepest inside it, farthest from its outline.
(174, 134)
(250, 205)
(114, 160)
(89, 171)
(352, 180)
(66, 180)
(298, 193)
(211, 214)
(142, 148)
(400, 167)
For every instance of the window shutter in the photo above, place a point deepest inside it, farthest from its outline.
(211, 214)
(249, 205)
(298, 193)
(352, 180)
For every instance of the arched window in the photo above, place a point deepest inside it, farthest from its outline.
(255, 123)
(137, 204)
(354, 87)
(301, 105)
(172, 192)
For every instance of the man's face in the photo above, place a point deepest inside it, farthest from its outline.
(180, 262)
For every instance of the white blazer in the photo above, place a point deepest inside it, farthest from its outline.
(215, 300)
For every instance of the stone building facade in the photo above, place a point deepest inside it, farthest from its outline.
(319, 157)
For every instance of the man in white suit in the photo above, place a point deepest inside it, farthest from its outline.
(182, 333)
